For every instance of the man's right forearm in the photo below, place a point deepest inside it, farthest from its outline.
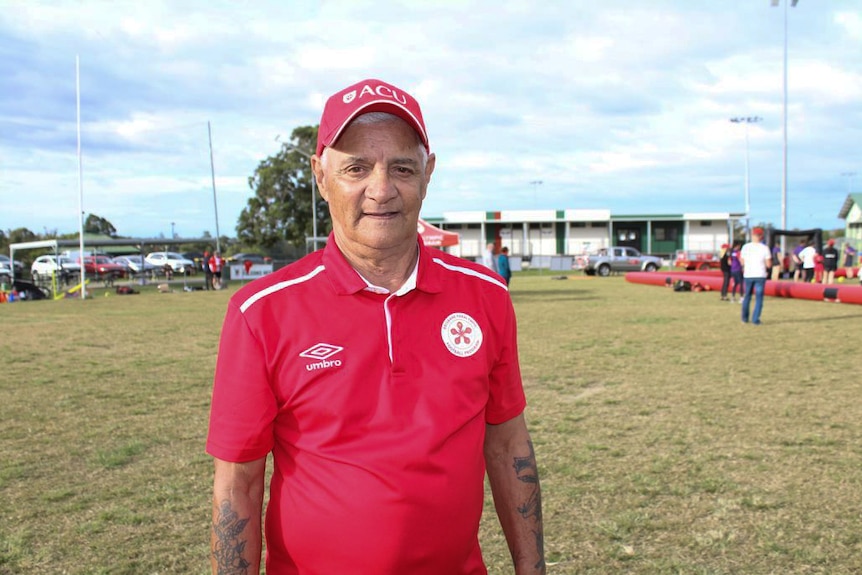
(235, 542)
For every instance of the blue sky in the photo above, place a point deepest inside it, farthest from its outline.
(618, 104)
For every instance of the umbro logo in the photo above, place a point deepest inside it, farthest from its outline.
(322, 352)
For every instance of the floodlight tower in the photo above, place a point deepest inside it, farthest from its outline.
(535, 184)
(747, 120)
(784, 177)
(849, 176)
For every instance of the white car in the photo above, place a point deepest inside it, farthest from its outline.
(45, 266)
(178, 263)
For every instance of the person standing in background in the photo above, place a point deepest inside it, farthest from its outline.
(830, 262)
(776, 262)
(488, 258)
(797, 261)
(736, 274)
(208, 274)
(503, 267)
(807, 256)
(724, 263)
(756, 259)
(216, 264)
(849, 254)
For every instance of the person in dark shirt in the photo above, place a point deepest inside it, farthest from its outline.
(830, 262)
(724, 262)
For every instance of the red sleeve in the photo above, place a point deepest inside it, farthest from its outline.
(243, 404)
(507, 398)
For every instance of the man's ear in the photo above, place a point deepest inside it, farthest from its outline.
(429, 169)
(318, 174)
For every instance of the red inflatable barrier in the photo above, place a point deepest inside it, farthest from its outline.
(838, 293)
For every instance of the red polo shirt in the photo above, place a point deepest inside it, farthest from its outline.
(374, 405)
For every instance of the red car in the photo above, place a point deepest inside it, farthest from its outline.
(102, 268)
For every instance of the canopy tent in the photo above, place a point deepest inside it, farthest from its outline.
(435, 237)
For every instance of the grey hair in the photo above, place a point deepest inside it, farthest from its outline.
(379, 118)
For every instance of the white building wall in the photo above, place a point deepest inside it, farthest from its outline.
(706, 235)
(587, 239)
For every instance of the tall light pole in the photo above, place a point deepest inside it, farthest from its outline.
(747, 120)
(535, 184)
(307, 155)
(212, 173)
(784, 176)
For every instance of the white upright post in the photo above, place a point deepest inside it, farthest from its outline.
(80, 180)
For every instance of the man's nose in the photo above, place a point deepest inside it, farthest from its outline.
(380, 187)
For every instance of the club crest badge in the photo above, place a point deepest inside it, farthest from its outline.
(461, 335)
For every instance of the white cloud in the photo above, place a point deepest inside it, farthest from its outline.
(599, 101)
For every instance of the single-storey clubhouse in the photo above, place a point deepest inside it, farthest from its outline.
(531, 233)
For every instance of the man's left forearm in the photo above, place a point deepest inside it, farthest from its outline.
(514, 479)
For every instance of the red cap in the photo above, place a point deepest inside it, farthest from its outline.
(831, 242)
(724, 246)
(361, 98)
(757, 231)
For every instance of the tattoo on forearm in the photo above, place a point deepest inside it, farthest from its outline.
(527, 471)
(228, 548)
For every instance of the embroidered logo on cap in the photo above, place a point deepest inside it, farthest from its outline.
(461, 334)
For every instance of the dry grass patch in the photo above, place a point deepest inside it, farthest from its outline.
(671, 438)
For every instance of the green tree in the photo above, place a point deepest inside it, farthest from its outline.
(280, 209)
(98, 225)
(21, 235)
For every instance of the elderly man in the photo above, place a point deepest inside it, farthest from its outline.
(383, 376)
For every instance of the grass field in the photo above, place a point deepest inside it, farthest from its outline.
(670, 437)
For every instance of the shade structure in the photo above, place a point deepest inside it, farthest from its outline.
(435, 237)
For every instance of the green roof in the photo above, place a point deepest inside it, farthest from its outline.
(848, 205)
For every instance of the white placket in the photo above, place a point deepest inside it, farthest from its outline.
(408, 286)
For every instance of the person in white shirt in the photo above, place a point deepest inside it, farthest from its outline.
(488, 258)
(807, 256)
(756, 260)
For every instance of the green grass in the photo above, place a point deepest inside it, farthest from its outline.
(670, 438)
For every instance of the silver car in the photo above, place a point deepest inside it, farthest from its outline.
(135, 264)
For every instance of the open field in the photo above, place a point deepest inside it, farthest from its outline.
(670, 437)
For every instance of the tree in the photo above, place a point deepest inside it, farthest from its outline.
(98, 225)
(280, 209)
(21, 235)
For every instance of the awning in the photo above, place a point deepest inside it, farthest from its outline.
(435, 237)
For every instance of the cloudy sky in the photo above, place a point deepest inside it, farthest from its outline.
(617, 104)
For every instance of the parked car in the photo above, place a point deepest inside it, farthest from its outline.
(617, 259)
(6, 262)
(135, 264)
(248, 256)
(5, 272)
(44, 267)
(102, 268)
(178, 263)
